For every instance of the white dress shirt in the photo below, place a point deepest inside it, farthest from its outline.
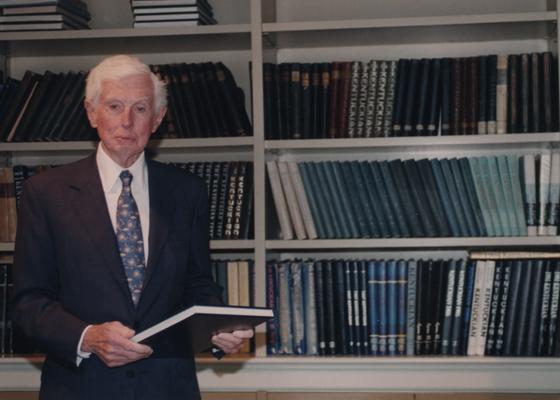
(109, 172)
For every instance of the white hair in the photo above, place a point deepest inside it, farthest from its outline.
(122, 66)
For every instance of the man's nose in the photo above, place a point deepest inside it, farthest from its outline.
(126, 117)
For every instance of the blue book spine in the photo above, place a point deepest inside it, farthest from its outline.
(382, 301)
(355, 194)
(327, 190)
(402, 293)
(471, 195)
(272, 324)
(349, 307)
(411, 307)
(322, 201)
(448, 203)
(501, 202)
(517, 194)
(342, 214)
(457, 330)
(297, 312)
(394, 199)
(373, 308)
(392, 307)
(310, 308)
(455, 196)
(313, 201)
(508, 206)
(347, 200)
(449, 308)
(482, 195)
(285, 309)
(467, 307)
(353, 173)
(380, 199)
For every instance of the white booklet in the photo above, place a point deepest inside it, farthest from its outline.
(200, 323)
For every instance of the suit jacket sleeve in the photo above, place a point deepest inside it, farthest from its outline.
(37, 309)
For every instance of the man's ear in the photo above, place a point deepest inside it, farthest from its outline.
(92, 115)
(158, 118)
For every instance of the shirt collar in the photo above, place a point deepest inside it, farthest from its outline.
(109, 171)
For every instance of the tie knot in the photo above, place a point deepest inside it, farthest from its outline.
(126, 178)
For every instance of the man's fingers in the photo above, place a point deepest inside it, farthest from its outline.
(244, 334)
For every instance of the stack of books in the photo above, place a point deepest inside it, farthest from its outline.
(43, 15)
(162, 13)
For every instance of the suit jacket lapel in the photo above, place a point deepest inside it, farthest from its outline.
(161, 212)
(91, 207)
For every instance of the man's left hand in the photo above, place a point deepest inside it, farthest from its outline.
(232, 343)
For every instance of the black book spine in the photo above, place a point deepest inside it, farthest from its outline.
(419, 198)
(306, 108)
(547, 92)
(411, 97)
(492, 73)
(216, 100)
(323, 120)
(446, 96)
(400, 90)
(521, 323)
(438, 304)
(434, 96)
(211, 111)
(537, 268)
(340, 311)
(421, 119)
(349, 323)
(328, 296)
(295, 102)
(490, 346)
(482, 95)
(364, 327)
(268, 101)
(222, 201)
(524, 93)
(315, 85)
(513, 307)
(513, 120)
(321, 308)
(535, 88)
(545, 309)
(503, 308)
(278, 97)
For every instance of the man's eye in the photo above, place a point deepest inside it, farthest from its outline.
(114, 107)
(141, 109)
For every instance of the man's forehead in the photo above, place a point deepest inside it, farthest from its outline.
(134, 86)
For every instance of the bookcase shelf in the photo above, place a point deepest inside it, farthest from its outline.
(447, 20)
(431, 141)
(456, 30)
(415, 243)
(409, 374)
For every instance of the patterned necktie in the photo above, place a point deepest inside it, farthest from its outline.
(129, 238)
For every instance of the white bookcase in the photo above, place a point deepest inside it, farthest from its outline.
(260, 31)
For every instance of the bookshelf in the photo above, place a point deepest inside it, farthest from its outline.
(294, 31)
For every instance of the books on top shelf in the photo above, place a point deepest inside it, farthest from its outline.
(43, 15)
(168, 13)
(487, 94)
(199, 323)
(203, 101)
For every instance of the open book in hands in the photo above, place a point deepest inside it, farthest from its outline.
(200, 323)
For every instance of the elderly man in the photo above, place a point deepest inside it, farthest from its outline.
(109, 246)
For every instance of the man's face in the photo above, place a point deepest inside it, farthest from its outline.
(125, 117)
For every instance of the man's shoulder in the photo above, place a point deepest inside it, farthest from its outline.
(55, 175)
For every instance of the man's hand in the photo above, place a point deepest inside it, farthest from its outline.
(232, 343)
(111, 343)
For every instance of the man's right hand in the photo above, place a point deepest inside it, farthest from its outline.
(111, 343)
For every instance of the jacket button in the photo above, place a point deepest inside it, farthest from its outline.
(130, 374)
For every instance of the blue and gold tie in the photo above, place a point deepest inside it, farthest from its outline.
(129, 238)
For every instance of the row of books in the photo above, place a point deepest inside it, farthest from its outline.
(204, 101)
(411, 97)
(504, 195)
(32, 15)
(157, 13)
(12, 340)
(414, 307)
(237, 280)
(230, 187)
(230, 192)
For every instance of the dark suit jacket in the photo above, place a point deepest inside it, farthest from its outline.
(68, 274)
